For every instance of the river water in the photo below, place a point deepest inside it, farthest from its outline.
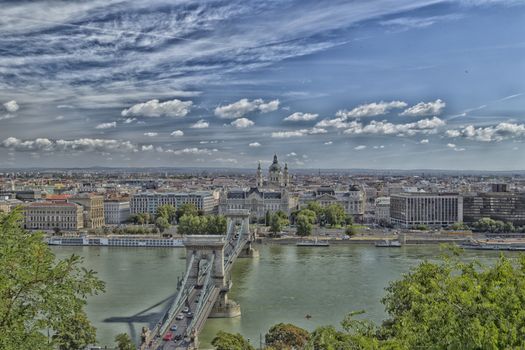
(284, 284)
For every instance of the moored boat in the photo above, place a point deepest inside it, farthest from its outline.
(388, 243)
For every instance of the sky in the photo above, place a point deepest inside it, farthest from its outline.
(378, 84)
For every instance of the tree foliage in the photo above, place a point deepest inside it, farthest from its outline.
(335, 214)
(124, 342)
(278, 220)
(162, 223)
(286, 337)
(229, 341)
(167, 212)
(186, 209)
(39, 293)
(200, 225)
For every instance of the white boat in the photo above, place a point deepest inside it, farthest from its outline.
(388, 243)
(314, 243)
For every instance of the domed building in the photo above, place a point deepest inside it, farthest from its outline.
(277, 177)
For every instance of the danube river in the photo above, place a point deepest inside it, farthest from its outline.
(284, 284)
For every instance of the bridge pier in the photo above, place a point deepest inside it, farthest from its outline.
(225, 307)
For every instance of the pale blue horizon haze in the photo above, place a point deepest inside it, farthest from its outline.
(377, 84)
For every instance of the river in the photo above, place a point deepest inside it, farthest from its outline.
(284, 284)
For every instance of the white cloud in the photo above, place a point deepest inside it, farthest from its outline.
(424, 141)
(370, 109)
(298, 116)
(8, 116)
(129, 120)
(11, 106)
(291, 154)
(451, 145)
(316, 130)
(81, 145)
(242, 123)
(147, 148)
(499, 132)
(426, 126)
(106, 125)
(177, 133)
(254, 144)
(288, 134)
(328, 142)
(201, 124)
(192, 150)
(60, 117)
(154, 109)
(423, 109)
(151, 134)
(338, 123)
(244, 106)
(226, 160)
(360, 147)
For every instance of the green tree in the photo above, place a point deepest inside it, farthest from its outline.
(39, 293)
(278, 220)
(168, 212)
(317, 209)
(229, 341)
(162, 223)
(199, 225)
(124, 342)
(335, 215)
(186, 209)
(286, 337)
(350, 230)
(304, 225)
(267, 218)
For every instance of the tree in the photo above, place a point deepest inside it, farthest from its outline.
(75, 333)
(267, 218)
(278, 220)
(39, 293)
(286, 337)
(162, 223)
(350, 230)
(229, 341)
(335, 215)
(198, 225)
(124, 342)
(317, 209)
(168, 212)
(304, 225)
(186, 209)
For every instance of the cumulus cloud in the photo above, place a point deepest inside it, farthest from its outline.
(339, 123)
(370, 109)
(298, 116)
(242, 123)
(298, 133)
(151, 134)
(425, 126)
(154, 109)
(254, 144)
(129, 120)
(451, 145)
(424, 141)
(423, 109)
(177, 133)
(244, 106)
(360, 147)
(499, 132)
(201, 124)
(316, 130)
(81, 145)
(106, 125)
(147, 148)
(328, 142)
(11, 106)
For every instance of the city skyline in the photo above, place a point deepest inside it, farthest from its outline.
(411, 85)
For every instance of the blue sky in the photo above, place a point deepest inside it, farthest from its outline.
(335, 84)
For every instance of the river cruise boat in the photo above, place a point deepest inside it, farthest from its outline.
(314, 243)
(388, 243)
(492, 245)
(113, 241)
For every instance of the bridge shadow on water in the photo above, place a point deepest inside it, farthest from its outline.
(144, 316)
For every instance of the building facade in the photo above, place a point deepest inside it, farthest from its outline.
(277, 177)
(148, 202)
(382, 210)
(93, 205)
(353, 201)
(504, 206)
(116, 212)
(257, 201)
(53, 216)
(431, 209)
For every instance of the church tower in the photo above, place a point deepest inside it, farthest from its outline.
(275, 175)
(286, 176)
(259, 177)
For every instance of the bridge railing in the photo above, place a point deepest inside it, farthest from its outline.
(207, 287)
(179, 299)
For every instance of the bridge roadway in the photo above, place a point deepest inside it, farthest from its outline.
(197, 297)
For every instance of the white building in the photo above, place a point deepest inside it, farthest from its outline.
(431, 209)
(353, 200)
(382, 210)
(116, 212)
(148, 202)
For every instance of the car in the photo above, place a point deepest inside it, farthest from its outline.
(168, 336)
(196, 300)
(179, 317)
(173, 328)
(189, 315)
(186, 309)
(178, 337)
